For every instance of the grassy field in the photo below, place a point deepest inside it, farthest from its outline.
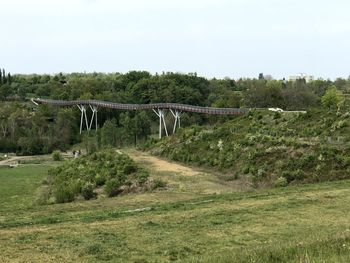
(185, 222)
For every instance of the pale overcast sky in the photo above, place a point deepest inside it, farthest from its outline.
(215, 38)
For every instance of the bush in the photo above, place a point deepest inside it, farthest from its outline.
(112, 187)
(42, 195)
(158, 183)
(142, 177)
(276, 115)
(64, 194)
(83, 175)
(57, 156)
(100, 180)
(88, 191)
(280, 182)
(295, 175)
(90, 144)
(129, 168)
(246, 169)
(148, 144)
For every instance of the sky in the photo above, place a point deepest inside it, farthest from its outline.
(215, 38)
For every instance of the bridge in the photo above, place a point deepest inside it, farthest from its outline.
(159, 109)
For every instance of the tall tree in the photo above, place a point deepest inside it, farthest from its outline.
(109, 133)
(3, 76)
(332, 98)
(9, 78)
(142, 125)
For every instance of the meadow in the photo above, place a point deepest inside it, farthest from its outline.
(197, 218)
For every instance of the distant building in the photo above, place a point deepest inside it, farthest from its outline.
(266, 77)
(307, 78)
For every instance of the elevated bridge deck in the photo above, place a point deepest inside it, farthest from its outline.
(164, 106)
(159, 109)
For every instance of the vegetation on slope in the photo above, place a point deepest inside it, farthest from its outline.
(114, 171)
(272, 149)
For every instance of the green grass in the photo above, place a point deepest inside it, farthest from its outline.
(18, 186)
(307, 223)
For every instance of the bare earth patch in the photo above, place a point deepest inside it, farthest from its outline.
(181, 178)
(161, 165)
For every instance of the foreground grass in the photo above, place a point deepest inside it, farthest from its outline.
(308, 223)
(17, 186)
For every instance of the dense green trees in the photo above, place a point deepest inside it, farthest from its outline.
(332, 98)
(263, 94)
(130, 130)
(25, 131)
(109, 133)
(25, 128)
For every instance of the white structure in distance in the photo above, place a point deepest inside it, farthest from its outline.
(307, 78)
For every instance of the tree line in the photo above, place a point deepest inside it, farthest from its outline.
(27, 129)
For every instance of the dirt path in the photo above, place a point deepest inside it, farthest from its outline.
(162, 165)
(15, 159)
(183, 178)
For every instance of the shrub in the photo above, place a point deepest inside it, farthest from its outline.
(158, 183)
(100, 180)
(261, 173)
(88, 191)
(280, 182)
(43, 195)
(76, 186)
(83, 175)
(90, 144)
(112, 187)
(246, 169)
(129, 168)
(276, 115)
(148, 144)
(57, 156)
(142, 177)
(64, 194)
(295, 175)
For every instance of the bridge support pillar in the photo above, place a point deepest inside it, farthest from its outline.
(94, 114)
(177, 116)
(82, 108)
(160, 113)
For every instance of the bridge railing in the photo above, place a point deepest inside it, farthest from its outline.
(126, 106)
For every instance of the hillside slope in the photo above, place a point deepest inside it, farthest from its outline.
(271, 149)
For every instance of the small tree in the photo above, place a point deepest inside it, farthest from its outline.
(332, 98)
(108, 133)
